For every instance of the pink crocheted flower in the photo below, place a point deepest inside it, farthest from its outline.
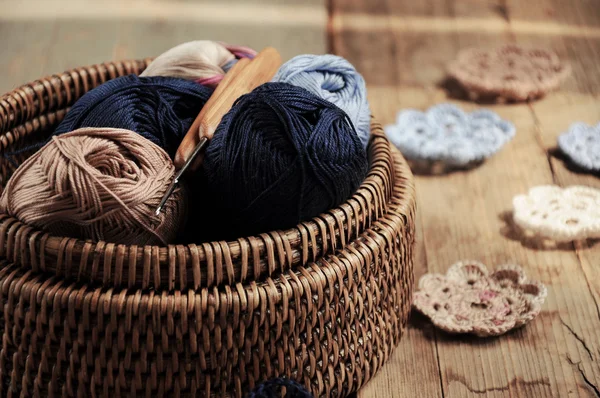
(469, 300)
(509, 72)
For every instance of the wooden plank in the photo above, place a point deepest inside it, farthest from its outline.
(577, 102)
(463, 214)
(55, 35)
(282, 15)
(578, 13)
(573, 107)
(415, 359)
(47, 47)
(474, 8)
(152, 27)
(72, 45)
(139, 39)
(24, 52)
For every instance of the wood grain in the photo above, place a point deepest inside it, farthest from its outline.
(37, 39)
(466, 215)
(249, 13)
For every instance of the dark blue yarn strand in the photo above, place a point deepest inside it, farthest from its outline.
(273, 388)
(280, 156)
(161, 109)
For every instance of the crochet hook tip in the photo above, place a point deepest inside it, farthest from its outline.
(166, 197)
(175, 181)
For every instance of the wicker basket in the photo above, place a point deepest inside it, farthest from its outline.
(324, 303)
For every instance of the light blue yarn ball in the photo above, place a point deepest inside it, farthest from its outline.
(335, 80)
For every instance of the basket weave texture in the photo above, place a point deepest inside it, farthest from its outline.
(323, 303)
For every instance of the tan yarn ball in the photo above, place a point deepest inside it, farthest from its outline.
(193, 60)
(99, 184)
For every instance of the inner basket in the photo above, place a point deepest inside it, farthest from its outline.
(323, 303)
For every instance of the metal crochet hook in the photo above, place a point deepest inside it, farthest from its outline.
(244, 77)
(203, 141)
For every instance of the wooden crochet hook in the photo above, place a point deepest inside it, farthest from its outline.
(244, 77)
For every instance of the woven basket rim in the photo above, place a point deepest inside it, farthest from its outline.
(28, 110)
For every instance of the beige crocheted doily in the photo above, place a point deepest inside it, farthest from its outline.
(469, 300)
(509, 72)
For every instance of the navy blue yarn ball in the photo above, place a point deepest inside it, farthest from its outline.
(280, 156)
(161, 109)
(274, 387)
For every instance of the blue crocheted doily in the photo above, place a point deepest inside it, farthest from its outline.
(448, 134)
(582, 145)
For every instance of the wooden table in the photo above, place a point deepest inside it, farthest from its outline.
(402, 47)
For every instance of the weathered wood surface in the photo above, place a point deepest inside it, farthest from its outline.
(40, 37)
(401, 47)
